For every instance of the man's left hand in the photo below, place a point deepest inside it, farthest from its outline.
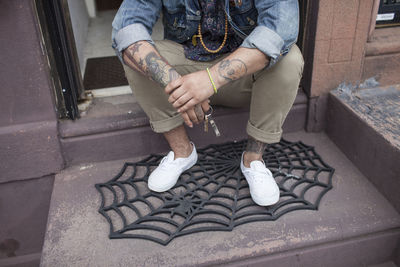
(189, 90)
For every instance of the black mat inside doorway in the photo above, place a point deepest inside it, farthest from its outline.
(103, 72)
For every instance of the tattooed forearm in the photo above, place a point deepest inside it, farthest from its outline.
(173, 74)
(255, 146)
(157, 68)
(144, 58)
(133, 49)
(232, 69)
(137, 66)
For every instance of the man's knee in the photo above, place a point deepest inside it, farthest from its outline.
(290, 69)
(294, 63)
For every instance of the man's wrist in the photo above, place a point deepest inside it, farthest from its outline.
(173, 75)
(213, 85)
(216, 78)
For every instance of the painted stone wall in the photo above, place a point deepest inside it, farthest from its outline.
(342, 33)
(30, 153)
(28, 123)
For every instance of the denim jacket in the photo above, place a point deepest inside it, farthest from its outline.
(268, 25)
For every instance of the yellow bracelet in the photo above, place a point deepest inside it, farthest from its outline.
(213, 84)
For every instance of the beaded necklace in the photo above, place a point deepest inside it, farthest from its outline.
(223, 42)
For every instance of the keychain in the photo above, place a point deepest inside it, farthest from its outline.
(209, 119)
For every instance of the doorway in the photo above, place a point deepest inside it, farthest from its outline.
(101, 71)
(97, 72)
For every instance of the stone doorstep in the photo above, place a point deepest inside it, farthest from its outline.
(353, 211)
(383, 41)
(369, 136)
(116, 126)
(122, 112)
(332, 254)
(29, 150)
(385, 264)
(24, 208)
(27, 260)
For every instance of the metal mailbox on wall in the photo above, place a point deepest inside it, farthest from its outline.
(388, 14)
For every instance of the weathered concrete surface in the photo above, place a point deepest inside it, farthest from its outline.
(385, 264)
(29, 260)
(24, 206)
(353, 252)
(77, 235)
(378, 107)
(370, 134)
(29, 150)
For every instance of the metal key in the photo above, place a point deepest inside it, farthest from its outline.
(206, 123)
(208, 118)
(214, 126)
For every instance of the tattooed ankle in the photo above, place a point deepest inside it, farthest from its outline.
(255, 146)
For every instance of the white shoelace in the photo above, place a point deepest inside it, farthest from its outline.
(165, 163)
(259, 176)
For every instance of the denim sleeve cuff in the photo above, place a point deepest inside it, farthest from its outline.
(267, 41)
(129, 35)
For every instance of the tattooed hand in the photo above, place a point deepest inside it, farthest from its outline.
(189, 90)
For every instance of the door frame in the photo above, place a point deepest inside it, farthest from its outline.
(58, 40)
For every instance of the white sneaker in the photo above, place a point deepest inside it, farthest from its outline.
(263, 189)
(165, 176)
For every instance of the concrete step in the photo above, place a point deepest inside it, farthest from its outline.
(116, 128)
(384, 264)
(354, 226)
(28, 260)
(365, 125)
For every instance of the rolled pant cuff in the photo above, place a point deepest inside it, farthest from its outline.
(167, 124)
(263, 136)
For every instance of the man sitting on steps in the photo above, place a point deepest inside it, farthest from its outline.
(233, 53)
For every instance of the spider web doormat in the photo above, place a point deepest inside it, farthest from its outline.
(213, 195)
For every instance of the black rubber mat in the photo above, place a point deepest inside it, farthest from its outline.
(213, 195)
(103, 72)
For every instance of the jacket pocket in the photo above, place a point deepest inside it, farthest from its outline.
(245, 16)
(172, 7)
(175, 21)
(245, 6)
(175, 25)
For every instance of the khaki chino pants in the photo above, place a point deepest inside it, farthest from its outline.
(269, 92)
